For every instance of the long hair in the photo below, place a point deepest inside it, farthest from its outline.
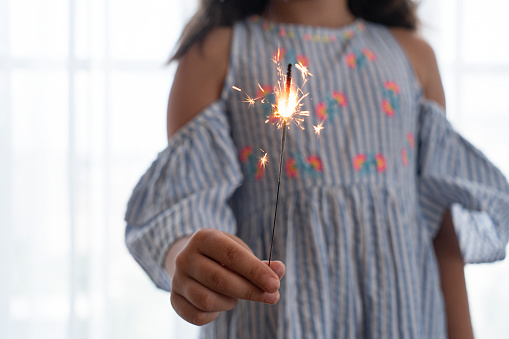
(217, 13)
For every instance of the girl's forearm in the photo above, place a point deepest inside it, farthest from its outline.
(453, 283)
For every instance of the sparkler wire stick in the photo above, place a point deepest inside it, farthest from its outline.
(287, 94)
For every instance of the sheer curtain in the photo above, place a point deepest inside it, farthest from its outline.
(83, 94)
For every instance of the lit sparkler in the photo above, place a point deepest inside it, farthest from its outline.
(286, 109)
(289, 99)
(286, 106)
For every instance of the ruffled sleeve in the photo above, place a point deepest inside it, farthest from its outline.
(453, 173)
(185, 189)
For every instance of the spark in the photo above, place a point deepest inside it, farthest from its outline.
(304, 72)
(264, 160)
(236, 88)
(251, 101)
(318, 128)
(276, 57)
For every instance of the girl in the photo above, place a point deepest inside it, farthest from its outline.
(365, 226)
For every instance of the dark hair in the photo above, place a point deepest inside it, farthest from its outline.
(217, 13)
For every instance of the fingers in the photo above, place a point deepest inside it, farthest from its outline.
(214, 270)
(240, 241)
(278, 267)
(224, 281)
(189, 312)
(203, 298)
(230, 253)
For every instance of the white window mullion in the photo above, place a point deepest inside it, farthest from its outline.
(107, 188)
(72, 172)
(5, 174)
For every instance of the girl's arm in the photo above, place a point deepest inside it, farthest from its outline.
(452, 278)
(210, 269)
(446, 245)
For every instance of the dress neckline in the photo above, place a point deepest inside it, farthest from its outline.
(310, 32)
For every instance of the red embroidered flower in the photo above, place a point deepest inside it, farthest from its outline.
(369, 54)
(392, 86)
(351, 60)
(358, 161)
(291, 168)
(340, 98)
(245, 152)
(387, 107)
(321, 110)
(315, 162)
(380, 163)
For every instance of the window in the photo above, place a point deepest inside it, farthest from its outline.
(83, 94)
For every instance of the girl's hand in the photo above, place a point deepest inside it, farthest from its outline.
(214, 270)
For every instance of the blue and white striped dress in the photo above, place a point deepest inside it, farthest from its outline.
(359, 205)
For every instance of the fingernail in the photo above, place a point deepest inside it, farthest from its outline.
(272, 285)
(271, 298)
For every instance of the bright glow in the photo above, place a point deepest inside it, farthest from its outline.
(288, 103)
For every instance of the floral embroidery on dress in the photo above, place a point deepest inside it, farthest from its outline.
(407, 151)
(290, 32)
(311, 165)
(291, 168)
(368, 163)
(315, 162)
(359, 59)
(391, 100)
(334, 104)
(253, 165)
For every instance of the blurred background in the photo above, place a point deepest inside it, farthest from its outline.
(83, 95)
